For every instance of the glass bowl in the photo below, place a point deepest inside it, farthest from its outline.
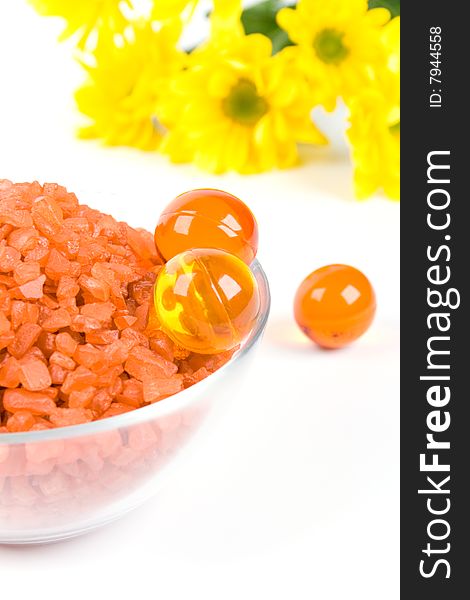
(64, 482)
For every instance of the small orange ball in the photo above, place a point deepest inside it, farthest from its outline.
(207, 218)
(334, 305)
(206, 300)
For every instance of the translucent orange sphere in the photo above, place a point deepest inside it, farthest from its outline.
(206, 300)
(207, 219)
(334, 305)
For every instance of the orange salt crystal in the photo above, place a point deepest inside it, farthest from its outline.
(144, 364)
(67, 288)
(117, 352)
(63, 417)
(84, 324)
(47, 215)
(101, 401)
(102, 311)
(161, 343)
(25, 272)
(9, 258)
(190, 379)
(89, 356)
(61, 359)
(37, 403)
(6, 339)
(124, 321)
(4, 323)
(57, 265)
(58, 319)
(10, 373)
(79, 379)
(23, 312)
(115, 409)
(34, 375)
(81, 398)
(157, 389)
(34, 288)
(106, 336)
(132, 393)
(65, 343)
(23, 239)
(25, 337)
(58, 374)
(46, 343)
(98, 289)
(20, 421)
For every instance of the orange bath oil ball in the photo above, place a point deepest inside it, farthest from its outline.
(206, 300)
(334, 305)
(207, 218)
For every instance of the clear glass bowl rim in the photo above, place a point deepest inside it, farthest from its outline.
(163, 407)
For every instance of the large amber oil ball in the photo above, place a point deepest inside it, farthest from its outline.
(207, 219)
(334, 305)
(206, 300)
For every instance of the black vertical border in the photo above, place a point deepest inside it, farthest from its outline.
(424, 129)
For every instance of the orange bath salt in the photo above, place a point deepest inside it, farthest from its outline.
(5, 324)
(115, 409)
(37, 403)
(81, 398)
(97, 288)
(101, 401)
(101, 337)
(58, 374)
(23, 312)
(25, 272)
(132, 393)
(9, 258)
(34, 375)
(33, 289)
(157, 389)
(67, 288)
(65, 343)
(63, 360)
(23, 239)
(57, 265)
(46, 343)
(6, 339)
(25, 337)
(102, 311)
(63, 417)
(143, 363)
(124, 321)
(91, 357)
(10, 373)
(58, 319)
(20, 421)
(47, 215)
(77, 338)
(79, 379)
(84, 324)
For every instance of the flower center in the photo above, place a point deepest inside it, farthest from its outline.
(329, 46)
(244, 104)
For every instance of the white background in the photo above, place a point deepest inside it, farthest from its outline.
(296, 495)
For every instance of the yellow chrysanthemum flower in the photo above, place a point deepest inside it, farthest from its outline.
(125, 84)
(163, 10)
(242, 110)
(85, 17)
(337, 43)
(375, 126)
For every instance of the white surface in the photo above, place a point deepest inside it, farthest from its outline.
(296, 495)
